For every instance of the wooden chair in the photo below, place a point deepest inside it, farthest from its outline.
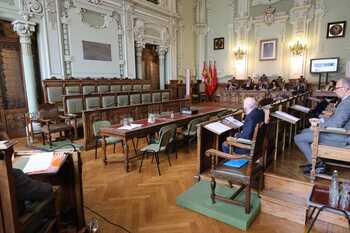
(13, 221)
(53, 122)
(337, 154)
(166, 134)
(33, 127)
(96, 126)
(242, 176)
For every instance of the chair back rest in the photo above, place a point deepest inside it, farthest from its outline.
(103, 89)
(54, 94)
(92, 103)
(201, 87)
(98, 125)
(146, 98)
(126, 88)
(88, 89)
(192, 126)
(116, 88)
(137, 87)
(146, 87)
(123, 100)
(156, 97)
(135, 99)
(165, 96)
(258, 141)
(108, 101)
(165, 137)
(171, 127)
(48, 112)
(205, 118)
(74, 105)
(71, 90)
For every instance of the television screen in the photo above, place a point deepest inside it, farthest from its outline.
(324, 65)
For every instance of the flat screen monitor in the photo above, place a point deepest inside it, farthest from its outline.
(324, 65)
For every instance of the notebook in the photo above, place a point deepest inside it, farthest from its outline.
(236, 163)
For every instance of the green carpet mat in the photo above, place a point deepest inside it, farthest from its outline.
(58, 145)
(197, 198)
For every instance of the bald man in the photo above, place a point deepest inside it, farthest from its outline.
(253, 116)
(340, 119)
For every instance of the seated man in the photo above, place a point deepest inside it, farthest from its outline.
(28, 190)
(249, 84)
(340, 119)
(253, 116)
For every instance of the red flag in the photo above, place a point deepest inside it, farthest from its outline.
(209, 80)
(214, 79)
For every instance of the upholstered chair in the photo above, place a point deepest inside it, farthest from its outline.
(146, 98)
(135, 99)
(54, 94)
(137, 87)
(123, 100)
(103, 89)
(72, 90)
(146, 87)
(74, 105)
(88, 89)
(126, 88)
(156, 97)
(165, 96)
(92, 103)
(108, 101)
(116, 88)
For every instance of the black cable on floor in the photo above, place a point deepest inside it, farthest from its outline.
(106, 220)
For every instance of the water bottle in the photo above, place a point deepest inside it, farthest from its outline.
(334, 190)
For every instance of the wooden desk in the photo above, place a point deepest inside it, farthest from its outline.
(150, 128)
(65, 171)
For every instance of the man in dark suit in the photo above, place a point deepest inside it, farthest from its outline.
(253, 116)
(340, 119)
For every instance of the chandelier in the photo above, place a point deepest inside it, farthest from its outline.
(239, 53)
(297, 48)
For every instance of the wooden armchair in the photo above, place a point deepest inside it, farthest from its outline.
(244, 175)
(334, 153)
(13, 220)
(53, 122)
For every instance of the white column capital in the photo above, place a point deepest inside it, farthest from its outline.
(162, 50)
(24, 30)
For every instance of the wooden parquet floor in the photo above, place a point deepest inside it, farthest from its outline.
(145, 202)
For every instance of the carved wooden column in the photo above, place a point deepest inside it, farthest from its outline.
(161, 53)
(25, 29)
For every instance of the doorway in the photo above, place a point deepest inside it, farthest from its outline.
(13, 102)
(151, 65)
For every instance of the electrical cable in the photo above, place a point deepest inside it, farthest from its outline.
(106, 220)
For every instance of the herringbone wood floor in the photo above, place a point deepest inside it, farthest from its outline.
(145, 202)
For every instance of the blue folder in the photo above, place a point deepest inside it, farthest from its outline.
(236, 163)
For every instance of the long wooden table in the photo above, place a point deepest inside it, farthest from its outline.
(150, 128)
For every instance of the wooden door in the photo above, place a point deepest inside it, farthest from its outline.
(151, 65)
(13, 104)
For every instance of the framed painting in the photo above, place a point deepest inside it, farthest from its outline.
(219, 43)
(268, 50)
(336, 29)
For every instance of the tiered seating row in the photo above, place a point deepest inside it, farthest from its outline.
(54, 89)
(75, 104)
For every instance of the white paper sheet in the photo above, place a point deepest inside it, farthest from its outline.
(131, 126)
(38, 162)
(300, 108)
(286, 116)
(217, 127)
(234, 121)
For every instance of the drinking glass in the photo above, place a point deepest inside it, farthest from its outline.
(93, 226)
(345, 196)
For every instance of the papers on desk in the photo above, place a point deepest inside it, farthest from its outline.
(300, 108)
(234, 123)
(217, 127)
(38, 162)
(131, 126)
(3, 144)
(285, 117)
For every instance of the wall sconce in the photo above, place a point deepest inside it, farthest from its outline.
(297, 48)
(239, 53)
